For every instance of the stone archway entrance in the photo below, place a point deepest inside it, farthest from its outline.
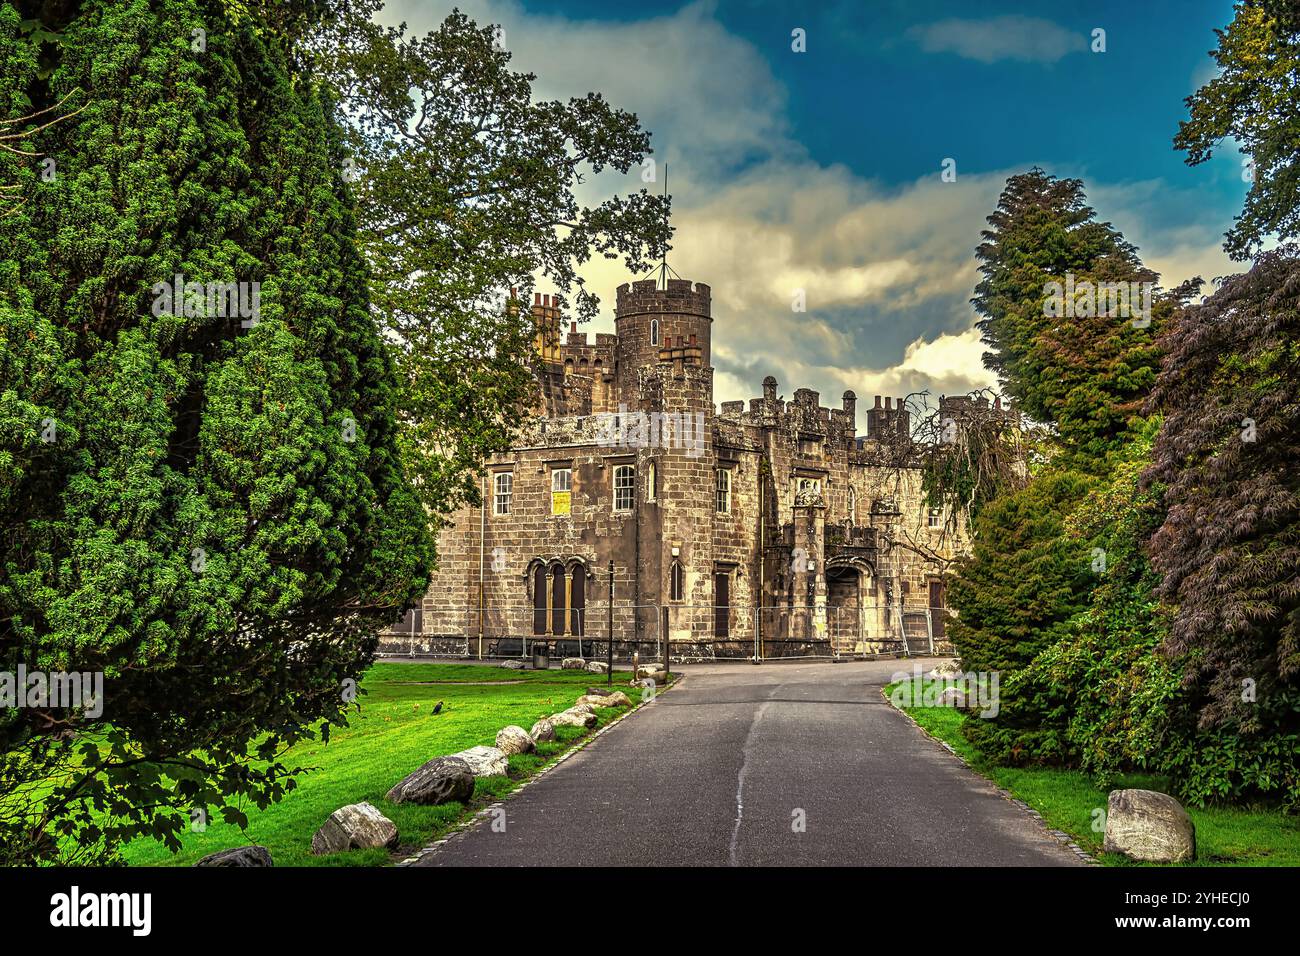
(856, 619)
(850, 607)
(844, 593)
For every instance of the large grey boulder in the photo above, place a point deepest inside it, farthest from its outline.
(946, 669)
(485, 761)
(655, 671)
(574, 718)
(514, 740)
(614, 699)
(543, 730)
(252, 855)
(358, 826)
(441, 780)
(512, 665)
(1147, 825)
(573, 664)
(597, 667)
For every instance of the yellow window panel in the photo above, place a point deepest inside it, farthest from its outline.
(560, 502)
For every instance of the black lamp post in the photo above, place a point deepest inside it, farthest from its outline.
(609, 644)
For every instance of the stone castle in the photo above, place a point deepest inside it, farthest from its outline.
(773, 530)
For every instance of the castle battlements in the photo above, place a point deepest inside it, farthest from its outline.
(681, 296)
(766, 526)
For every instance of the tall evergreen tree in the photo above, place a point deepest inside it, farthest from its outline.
(1082, 368)
(1085, 373)
(204, 504)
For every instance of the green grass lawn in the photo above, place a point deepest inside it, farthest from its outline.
(1067, 800)
(395, 733)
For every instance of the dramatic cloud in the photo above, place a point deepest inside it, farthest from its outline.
(1028, 39)
(886, 272)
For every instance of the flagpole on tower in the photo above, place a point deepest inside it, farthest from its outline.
(663, 270)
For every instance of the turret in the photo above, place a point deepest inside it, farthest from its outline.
(657, 325)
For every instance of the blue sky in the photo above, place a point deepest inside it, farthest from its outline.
(821, 170)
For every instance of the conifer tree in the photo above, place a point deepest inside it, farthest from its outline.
(201, 496)
(1083, 368)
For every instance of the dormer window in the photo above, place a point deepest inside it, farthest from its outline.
(654, 332)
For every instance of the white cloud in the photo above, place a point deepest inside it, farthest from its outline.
(888, 273)
(1029, 39)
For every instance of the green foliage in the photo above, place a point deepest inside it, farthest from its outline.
(1114, 687)
(1036, 566)
(1254, 99)
(1229, 763)
(466, 190)
(1086, 375)
(1014, 596)
(213, 516)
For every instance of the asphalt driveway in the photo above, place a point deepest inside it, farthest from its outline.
(777, 765)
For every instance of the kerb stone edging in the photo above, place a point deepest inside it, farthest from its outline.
(480, 816)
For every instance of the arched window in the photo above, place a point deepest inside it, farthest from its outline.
(578, 601)
(853, 506)
(650, 481)
(559, 599)
(676, 582)
(539, 599)
(654, 331)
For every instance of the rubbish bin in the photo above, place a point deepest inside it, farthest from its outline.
(541, 657)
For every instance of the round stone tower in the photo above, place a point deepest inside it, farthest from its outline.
(657, 325)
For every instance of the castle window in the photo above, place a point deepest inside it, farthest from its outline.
(561, 491)
(539, 599)
(853, 506)
(810, 484)
(624, 487)
(650, 481)
(559, 599)
(503, 491)
(722, 489)
(654, 331)
(577, 601)
(676, 582)
(935, 518)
